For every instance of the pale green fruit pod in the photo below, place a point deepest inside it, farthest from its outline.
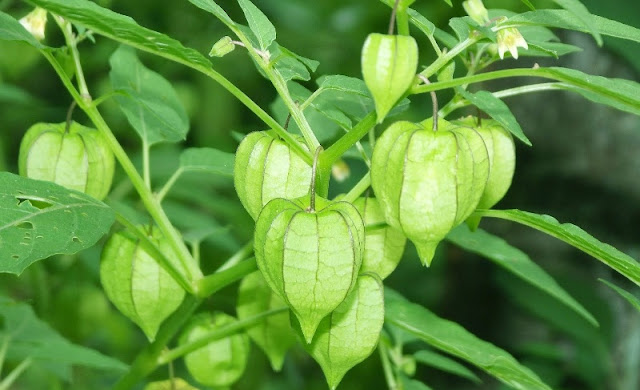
(267, 168)
(134, 282)
(220, 363)
(78, 159)
(383, 246)
(502, 162)
(309, 256)
(351, 332)
(423, 180)
(170, 384)
(389, 65)
(273, 335)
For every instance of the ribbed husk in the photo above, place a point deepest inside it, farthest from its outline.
(266, 168)
(79, 159)
(310, 258)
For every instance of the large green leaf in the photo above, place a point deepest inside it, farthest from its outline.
(12, 30)
(258, 23)
(565, 19)
(455, 340)
(633, 300)
(575, 236)
(582, 15)
(149, 101)
(207, 160)
(496, 109)
(515, 261)
(446, 364)
(31, 337)
(123, 29)
(39, 219)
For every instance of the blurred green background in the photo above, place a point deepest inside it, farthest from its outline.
(583, 168)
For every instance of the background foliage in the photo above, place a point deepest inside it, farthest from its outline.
(582, 169)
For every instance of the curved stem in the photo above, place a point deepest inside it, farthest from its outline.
(217, 334)
(312, 191)
(69, 116)
(358, 189)
(448, 56)
(15, 373)
(392, 19)
(214, 282)
(452, 106)
(151, 204)
(237, 257)
(434, 103)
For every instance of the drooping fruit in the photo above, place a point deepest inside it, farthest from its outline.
(266, 168)
(134, 282)
(79, 159)
(220, 363)
(273, 335)
(351, 332)
(424, 180)
(389, 65)
(384, 245)
(502, 162)
(309, 256)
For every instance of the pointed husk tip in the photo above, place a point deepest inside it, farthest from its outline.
(426, 251)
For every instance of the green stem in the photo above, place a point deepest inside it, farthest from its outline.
(446, 57)
(151, 204)
(3, 350)
(217, 334)
(169, 184)
(214, 282)
(358, 189)
(14, 374)
(449, 108)
(386, 366)
(402, 21)
(146, 173)
(237, 257)
(357, 132)
(147, 360)
(70, 39)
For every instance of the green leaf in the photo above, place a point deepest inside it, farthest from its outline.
(515, 261)
(215, 9)
(207, 160)
(448, 2)
(39, 219)
(124, 29)
(290, 65)
(443, 363)
(422, 23)
(618, 93)
(632, 299)
(412, 384)
(457, 341)
(496, 109)
(259, 24)
(150, 103)
(528, 4)
(575, 236)
(552, 49)
(12, 30)
(170, 384)
(31, 337)
(581, 14)
(564, 19)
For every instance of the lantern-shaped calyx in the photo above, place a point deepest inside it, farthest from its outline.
(426, 180)
(310, 256)
(266, 168)
(73, 156)
(389, 64)
(136, 284)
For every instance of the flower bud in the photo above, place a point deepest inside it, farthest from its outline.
(476, 10)
(35, 22)
(223, 47)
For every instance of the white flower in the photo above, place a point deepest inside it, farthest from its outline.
(35, 22)
(510, 39)
(476, 10)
